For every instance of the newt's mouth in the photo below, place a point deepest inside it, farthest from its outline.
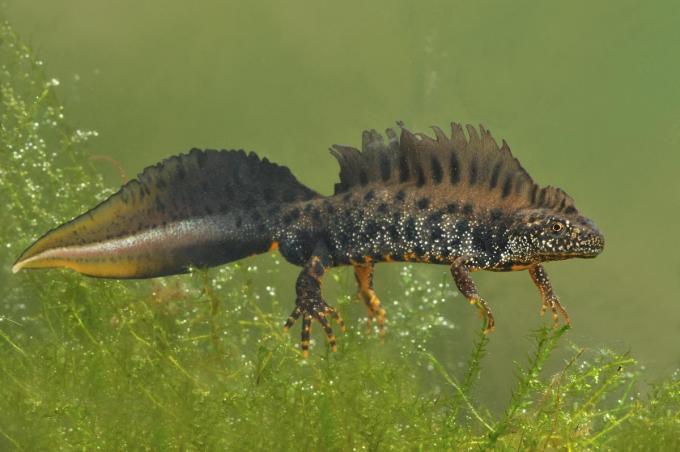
(593, 246)
(587, 248)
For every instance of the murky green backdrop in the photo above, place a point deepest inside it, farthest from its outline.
(586, 93)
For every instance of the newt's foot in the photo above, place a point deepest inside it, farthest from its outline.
(314, 309)
(553, 303)
(484, 313)
(375, 310)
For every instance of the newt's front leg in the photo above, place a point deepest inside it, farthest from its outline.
(364, 276)
(548, 297)
(461, 275)
(309, 304)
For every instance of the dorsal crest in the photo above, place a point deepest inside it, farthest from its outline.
(464, 166)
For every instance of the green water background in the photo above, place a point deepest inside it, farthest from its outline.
(587, 94)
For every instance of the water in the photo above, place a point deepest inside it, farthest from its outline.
(585, 93)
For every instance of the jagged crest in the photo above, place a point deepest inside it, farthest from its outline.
(467, 167)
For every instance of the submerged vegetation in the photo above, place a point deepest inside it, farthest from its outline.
(201, 361)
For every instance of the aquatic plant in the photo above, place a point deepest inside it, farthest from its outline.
(201, 361)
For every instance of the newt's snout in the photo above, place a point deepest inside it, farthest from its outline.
(593, 246)
(590, 241)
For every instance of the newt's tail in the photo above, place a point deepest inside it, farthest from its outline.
(199, 209)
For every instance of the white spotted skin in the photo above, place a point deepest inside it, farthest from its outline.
(383, 228)
(381, 225)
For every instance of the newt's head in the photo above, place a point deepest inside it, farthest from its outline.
(541, 235)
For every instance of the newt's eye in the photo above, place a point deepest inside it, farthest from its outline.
(557, 227)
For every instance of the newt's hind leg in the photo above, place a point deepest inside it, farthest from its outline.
(466, 286)
(309, 304)
(364, 276)
(548, 296)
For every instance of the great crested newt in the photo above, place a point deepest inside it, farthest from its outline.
(456, 199)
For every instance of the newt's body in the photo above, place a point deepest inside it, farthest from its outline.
(458, 200)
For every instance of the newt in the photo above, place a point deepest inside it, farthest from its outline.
(457, 199)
